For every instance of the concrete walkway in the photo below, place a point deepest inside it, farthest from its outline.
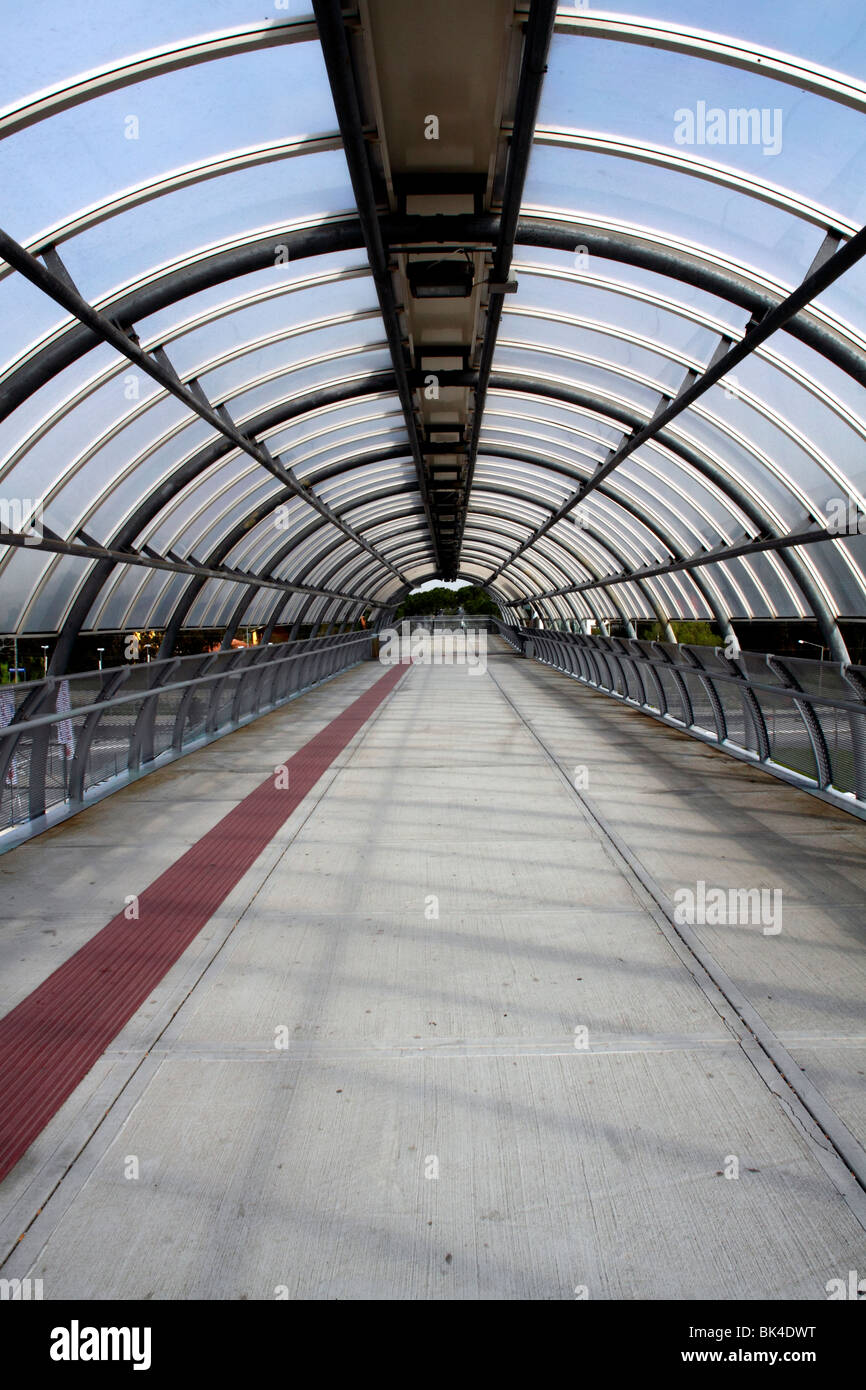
(441, 1041)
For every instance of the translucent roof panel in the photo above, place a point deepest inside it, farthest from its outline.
(806, 147)
(594, 187)
(232, 207)
(679, 184)
(91, 152)
(797, 27)
(734, 180)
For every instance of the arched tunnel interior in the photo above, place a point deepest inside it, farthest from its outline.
(356, 949)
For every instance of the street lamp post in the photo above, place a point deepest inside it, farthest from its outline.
(801, 642)
(100, 650)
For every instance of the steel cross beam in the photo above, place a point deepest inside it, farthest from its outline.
(539, 32)
(54, 280)
(338, 61)
(604, 542)
(169, 286)
(58, 546)
(154, 500)
(721, 616)
(749, 505)
(690, 562)
(723, 362)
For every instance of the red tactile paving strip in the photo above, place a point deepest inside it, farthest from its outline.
(52, 1038)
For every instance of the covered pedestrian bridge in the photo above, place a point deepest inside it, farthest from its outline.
(515, 956)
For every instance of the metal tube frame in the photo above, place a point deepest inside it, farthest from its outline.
(837, 774)
(234, 684)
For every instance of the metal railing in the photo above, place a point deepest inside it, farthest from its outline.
(66, 741)
(802, 720)
(448, 622)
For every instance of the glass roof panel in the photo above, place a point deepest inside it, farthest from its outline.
(808, 146)
(91, 152)
(797, 27)
(635, 195)
(625, 131)
(102, 32)
(25, 314)
(156, 600)
(295, 381)
(51, 601)
(563, 280)
(230, 208)
(328, 277)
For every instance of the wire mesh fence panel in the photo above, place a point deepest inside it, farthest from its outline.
(108, 754)
(634, 684)
(618, 682)
(840, 735)
(790, 744)
(164, 719)
(15, 789)
(673, 694)
(285, 680)
(270, 675)
(738, 720)
(195, 717)
(223, 700)
(856, 767)
(61, 740)
(703, 714)
(574, 664)
(76, 735)
(110, 749)
(604, 676)
(83, 690)
(762, 706)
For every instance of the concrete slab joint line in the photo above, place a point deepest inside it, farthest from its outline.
(53, 1037)
(801, 1100)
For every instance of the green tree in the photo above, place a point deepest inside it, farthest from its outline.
(689, 634)
(471, 598)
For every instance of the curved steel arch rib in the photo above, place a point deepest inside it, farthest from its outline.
(213, 267)
(345, 234)
(718, 610)
(712, 600)
(157, 498)
(533, 593)
(719, 48)
(279, 415)
(329, 576)
(825, 619)
(316, 476)
(292, 544)
(112, 77)
(227, 543)
(688, 364)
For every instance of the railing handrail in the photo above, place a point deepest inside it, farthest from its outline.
(663, 681)
(23, 725)
(743, 678)
(162, 661)
(443, 617)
